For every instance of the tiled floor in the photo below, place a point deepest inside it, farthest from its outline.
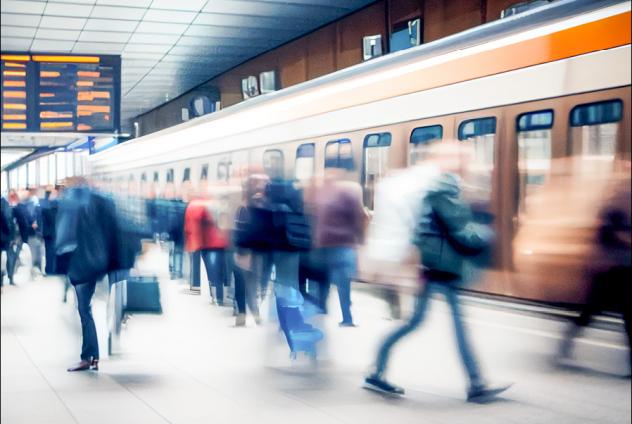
(190, 365)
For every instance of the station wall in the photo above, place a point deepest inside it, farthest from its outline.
(333, 47)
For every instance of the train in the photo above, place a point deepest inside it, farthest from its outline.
(526, 90)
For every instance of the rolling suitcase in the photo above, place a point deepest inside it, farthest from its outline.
(143, 294)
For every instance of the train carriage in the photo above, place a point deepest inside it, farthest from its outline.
(525, 91)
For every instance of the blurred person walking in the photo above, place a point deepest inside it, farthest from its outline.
(610, 269)
(206, 241)
(8, 237)
(244, 267)
(445, 234)
(49, 211)
(33, 213)
(340, 221)
(20, 215)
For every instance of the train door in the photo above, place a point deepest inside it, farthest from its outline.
(482, 130)
(375, 164)
(548, 145)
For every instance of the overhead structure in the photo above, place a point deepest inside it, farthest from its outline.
(167, 47)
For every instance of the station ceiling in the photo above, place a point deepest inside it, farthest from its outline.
(167, 46)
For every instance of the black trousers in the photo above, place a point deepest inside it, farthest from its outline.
(51, 258)
(610, 290)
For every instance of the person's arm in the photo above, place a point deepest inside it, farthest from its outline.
(456, 218)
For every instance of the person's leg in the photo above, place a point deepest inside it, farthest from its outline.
(90, 344)
(177, 260)
(215, 263)
(36, 253)
(286, 268)
(342, 263)
(49, 247)
(11, 260)
(262, 266)
(421, 305)
(251, 294)
(465, 350)
(195, 270)
(593, 306)
(240, 290)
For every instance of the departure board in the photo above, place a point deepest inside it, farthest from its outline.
(54, 93)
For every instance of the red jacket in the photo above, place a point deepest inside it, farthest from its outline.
(200, 229)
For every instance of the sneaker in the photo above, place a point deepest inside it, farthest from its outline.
(378, 385)
(482, 393)
(346, 324)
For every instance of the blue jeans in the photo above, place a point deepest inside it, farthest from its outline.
(175, 261)
(286, 268)
(341, 264)
(90, 343)
(216, 271)
(262, 268)
(449, 290)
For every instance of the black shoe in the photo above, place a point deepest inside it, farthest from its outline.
(378, 385)
(81, 366)
(482, 393)
(346, 324)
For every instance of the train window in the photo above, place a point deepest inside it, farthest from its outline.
(223, 171)
(375, 156)
(156, 177)
(534, 152)
(304, 164)
(187, 175)
(169, 176)
(594, 128)
(478, 173)
(143, 177)
(421, 138)
(204, 173)
(597, 113)
(339, 154)
(273, 163)
(477, 127)
(533, 121)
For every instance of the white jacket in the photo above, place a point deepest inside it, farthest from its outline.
(397, 203)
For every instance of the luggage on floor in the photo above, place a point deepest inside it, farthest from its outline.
(143, 294)
(300, 336)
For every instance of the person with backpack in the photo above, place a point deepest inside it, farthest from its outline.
(445, 234)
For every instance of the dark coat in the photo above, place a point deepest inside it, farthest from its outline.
(68, 207)
(49, 212)
(20, 213)
(446, 232)
(8, 225)
(105, 242)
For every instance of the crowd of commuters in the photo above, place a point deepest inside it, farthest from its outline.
(288, 241)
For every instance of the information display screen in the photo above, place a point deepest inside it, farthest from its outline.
(55, 93)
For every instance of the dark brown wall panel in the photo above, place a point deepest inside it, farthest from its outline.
(446, 17)
(369, 21)
(293, 63)
(405, 10)
(321, 52)
(494, 7)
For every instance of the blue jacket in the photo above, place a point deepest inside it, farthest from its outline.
(68, 207)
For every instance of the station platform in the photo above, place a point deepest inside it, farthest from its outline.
(191, 365)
